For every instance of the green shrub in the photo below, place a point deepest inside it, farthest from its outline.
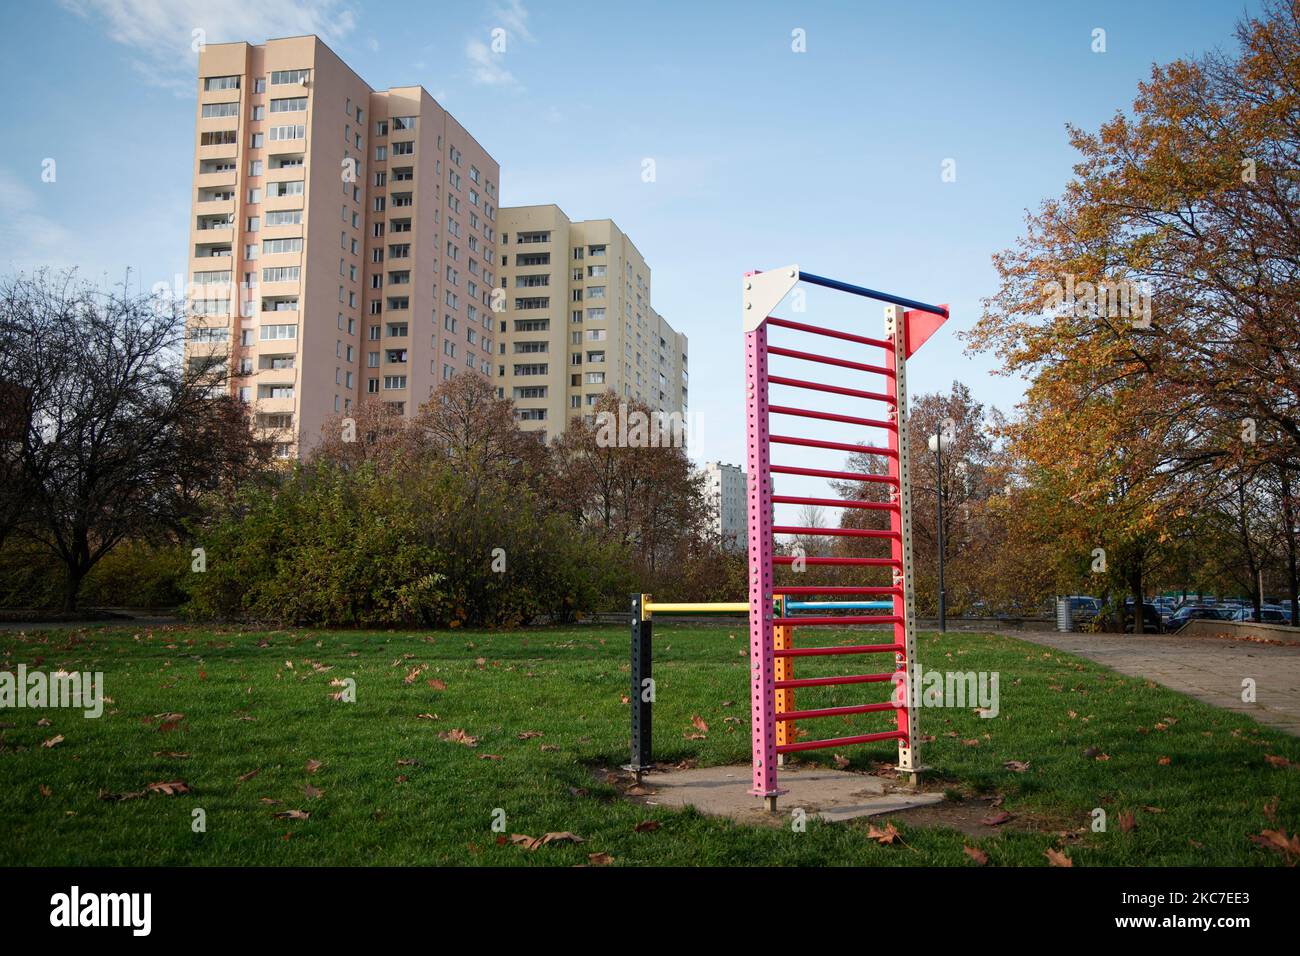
(424, 546)
(134, 574)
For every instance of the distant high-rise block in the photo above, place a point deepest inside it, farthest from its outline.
(575, 321)
(343, 240)
(726, 490)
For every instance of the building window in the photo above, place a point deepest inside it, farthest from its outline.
(283, 77)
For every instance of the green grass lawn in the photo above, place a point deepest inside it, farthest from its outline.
(548, 707)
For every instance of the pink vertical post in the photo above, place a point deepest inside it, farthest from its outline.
(762, 663)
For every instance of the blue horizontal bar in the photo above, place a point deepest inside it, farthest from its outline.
(839, 605)
(872, 293)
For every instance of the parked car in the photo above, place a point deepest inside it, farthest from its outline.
(1150, 618)
(1083, 609)
(1267, 615)
(1166, 606)
(1195, 612)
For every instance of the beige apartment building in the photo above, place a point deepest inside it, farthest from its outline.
(575, 321)
(343, 240)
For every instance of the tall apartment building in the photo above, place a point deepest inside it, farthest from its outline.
(576, 320)
(342, 239)
(726, 490)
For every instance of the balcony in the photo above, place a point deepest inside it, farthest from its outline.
(212, 250)
(215, 180)
(273, 406)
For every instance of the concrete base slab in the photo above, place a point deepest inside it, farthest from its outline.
(832, 795)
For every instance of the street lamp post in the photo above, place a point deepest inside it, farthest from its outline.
(937, 444)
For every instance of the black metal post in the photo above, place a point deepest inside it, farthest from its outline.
(642, 690)
(943, 596)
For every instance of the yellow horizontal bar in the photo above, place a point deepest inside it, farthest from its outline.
(716, 608)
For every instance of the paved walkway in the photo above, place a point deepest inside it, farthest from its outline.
(1207, 668)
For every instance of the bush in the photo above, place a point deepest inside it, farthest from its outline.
(419, 545)
(134, 574)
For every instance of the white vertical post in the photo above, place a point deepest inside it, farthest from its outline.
(909, 753)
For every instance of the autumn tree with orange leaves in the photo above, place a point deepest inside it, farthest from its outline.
(1155, 306)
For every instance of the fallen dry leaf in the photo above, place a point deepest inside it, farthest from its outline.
(313, 765)
(996, 819)
(1016, 766)
(458, 736)
(1057, 858)
(248, 776)
(1127, 821)
(884, 837)
(437, 684)
(645, 826)
(976, 854)
(599, 859)
(1164, 761)
(53, 741)
(1275, 761)
(46, 791)
(699, 724)
(293, 814)
(529, 734)
(1278, 840)
(168, 788)
(311, 793)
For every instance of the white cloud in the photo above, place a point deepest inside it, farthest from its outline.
(161, 34)
(514, 18)
(487, 63)
(485, 66)
(28, 237)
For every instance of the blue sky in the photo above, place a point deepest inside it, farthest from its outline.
(830, 158)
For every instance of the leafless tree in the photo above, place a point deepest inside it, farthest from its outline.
(120, 438)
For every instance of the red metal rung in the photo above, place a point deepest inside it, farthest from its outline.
(836, 711)
(818, 387)
(837, 589)
(858, 562)
(835, 502)
(834, 681)
(834, 532)
(830, 417)
(835, 445)
(829, 360)
(844, 649)
(842, 741)
(841, 475)
(829, 333)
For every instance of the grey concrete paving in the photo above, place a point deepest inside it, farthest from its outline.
(1208, 668)
(828, 794)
